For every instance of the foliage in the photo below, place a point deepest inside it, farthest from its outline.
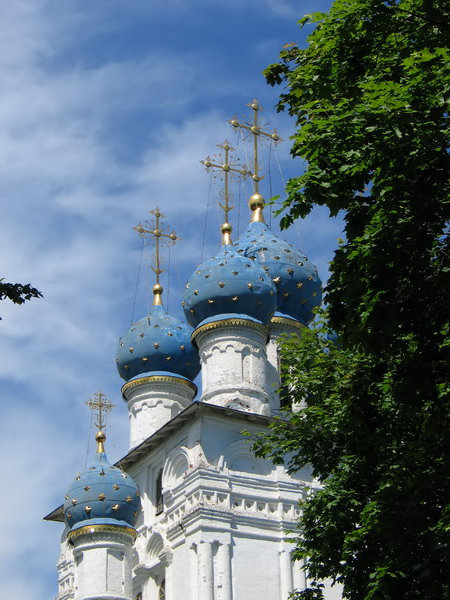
(17, 292)
(369, 93)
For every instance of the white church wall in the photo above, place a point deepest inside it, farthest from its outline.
(255, 568)
(221, 505)
(220, 535)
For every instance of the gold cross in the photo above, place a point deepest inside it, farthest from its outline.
(228, 169)
(256, 201)
(161, 236)
(101, 405)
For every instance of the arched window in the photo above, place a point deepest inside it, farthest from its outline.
(159, 504)
(162, 590)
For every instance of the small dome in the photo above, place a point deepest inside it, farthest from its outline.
(156, 343)
(297, 282)
(229, 285)
(102, 493)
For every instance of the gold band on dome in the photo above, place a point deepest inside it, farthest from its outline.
(158, 379)
(227, 323)
(286, 321)
(100, 528)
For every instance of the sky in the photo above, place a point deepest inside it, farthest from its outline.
(106, 109)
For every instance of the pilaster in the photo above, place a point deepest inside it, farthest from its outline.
(286, 575)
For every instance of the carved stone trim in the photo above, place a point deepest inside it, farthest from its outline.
(228, 323)
(158, 379)
(288, 322)
(101, 528)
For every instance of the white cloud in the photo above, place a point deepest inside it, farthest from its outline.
(72, 185)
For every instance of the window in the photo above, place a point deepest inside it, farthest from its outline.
(159, 503)
(162, 590)
(139, 596)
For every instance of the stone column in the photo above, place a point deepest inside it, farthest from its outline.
(154, 400)
(279, 326)
(103, 555)
(233, 360)
(300, 582)
(193, 572)
(165, 558)
(287, 584)
(224, 581)
(205, 571)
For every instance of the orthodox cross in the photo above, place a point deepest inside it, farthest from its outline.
(256, 131)
(228, 169)
(100, 405)
(161, 236)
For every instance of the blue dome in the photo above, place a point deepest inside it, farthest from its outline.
(229, 284)
(102, 494)
(299, 289)
(157, 343)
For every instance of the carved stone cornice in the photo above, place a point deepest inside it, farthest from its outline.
(227, 323)
(149, 379)
(102, 528)
(285, 321)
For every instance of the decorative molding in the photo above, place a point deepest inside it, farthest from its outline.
(229, 323)
(158, 379)
(288, 322)
(102, 528)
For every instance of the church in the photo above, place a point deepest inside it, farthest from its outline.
(190, 513)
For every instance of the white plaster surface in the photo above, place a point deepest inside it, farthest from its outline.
(233, 366)
(221, 534)
(153, 403)
(103, 566)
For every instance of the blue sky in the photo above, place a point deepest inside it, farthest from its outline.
(106, 108)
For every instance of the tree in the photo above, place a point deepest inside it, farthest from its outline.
(369, 93)
(17, 292)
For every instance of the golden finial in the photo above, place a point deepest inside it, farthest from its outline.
(155, 229)
(256, 202)
(228, 169)
(101, 405)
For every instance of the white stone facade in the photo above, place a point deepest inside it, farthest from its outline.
(279, 329)
(153, 401)
(214, 517)
(233, 365)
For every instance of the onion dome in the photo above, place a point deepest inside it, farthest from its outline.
(157, 343)
(101, 494)
(297, 282)
(229, 285)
